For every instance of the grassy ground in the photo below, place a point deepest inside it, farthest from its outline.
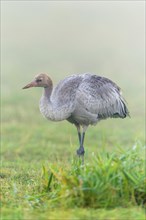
(42, 179)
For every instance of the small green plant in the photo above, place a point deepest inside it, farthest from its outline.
(110, 180)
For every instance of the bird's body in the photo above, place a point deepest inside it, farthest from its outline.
(81, 99)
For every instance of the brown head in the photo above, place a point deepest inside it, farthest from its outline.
(41, 80)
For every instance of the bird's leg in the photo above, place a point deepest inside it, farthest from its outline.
(79, 133)
(80, 139)
(81, 151)
(79, 136)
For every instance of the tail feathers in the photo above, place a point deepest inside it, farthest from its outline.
(119, 110)
(124, 110)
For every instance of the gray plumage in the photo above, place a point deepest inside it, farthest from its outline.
(81, 99)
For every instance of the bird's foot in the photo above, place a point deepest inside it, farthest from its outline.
(80, 151)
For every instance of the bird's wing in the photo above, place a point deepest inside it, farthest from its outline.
(101, 96)
(64, 94)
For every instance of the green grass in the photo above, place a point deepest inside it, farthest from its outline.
(110, 185)
(41, 177)
(106, 182)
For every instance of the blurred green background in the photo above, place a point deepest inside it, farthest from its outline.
(63, 38)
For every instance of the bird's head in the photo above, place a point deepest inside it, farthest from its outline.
(41, 80)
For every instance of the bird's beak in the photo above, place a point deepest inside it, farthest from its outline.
(31, 84)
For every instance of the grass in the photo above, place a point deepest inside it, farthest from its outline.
(41, 177)
(107, 182)
(107, 185)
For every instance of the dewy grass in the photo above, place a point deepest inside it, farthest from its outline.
(108, 181)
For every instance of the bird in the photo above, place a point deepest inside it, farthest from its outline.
(81, 99)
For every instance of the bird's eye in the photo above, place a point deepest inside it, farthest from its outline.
(38, 80)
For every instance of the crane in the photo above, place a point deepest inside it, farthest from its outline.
(81, 99)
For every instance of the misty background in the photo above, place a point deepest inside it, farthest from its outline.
(62, 38)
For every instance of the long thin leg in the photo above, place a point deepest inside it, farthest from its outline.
(82, 139)
(79, 133)
(81, 150)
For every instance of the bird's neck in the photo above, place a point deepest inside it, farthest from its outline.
(47, 93)
(46, 106)
(49, 107)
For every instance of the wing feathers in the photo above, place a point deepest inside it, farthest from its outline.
(101, 96)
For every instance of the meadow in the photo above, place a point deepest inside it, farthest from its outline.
(41, 176)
